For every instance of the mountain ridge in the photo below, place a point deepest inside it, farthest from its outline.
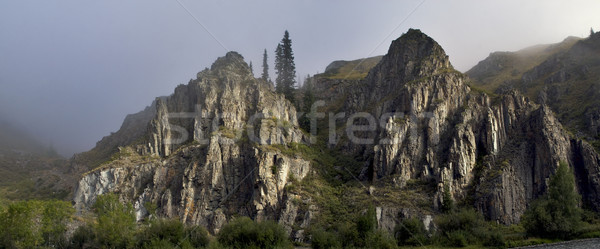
(423, 130)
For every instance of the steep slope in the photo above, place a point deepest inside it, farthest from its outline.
(566, 80)
(502, 67)
(209, 152)
(226, 144)
(427, 124)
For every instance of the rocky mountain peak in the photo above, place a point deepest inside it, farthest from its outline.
(232, 64)
(412, 56)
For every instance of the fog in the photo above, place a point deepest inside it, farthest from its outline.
(70, 71)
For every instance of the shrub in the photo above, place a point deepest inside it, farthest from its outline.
(163, 230)
(197, 236)
(457, 238)
(244, 233)
(461, 227)
(322, 239)
(411, 232)
(83, 237)
(381, 240)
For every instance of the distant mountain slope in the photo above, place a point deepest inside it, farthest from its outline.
(567, 80)
(356, 69)
(500, 67)
(30, 169)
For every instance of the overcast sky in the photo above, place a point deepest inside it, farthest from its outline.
(71, 70)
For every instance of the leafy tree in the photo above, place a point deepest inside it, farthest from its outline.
(55, 217)
(556, 214)
(285, 67)
(29, 224)
(115, 223)
(265, 67)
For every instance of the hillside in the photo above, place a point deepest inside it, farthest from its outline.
(564, 78)
(29, 169)
(351, 70)
(408, 138)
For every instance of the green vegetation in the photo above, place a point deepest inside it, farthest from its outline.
(244, 233)
(350, 70)
(555, 215)
(285, 68)
(29, 224)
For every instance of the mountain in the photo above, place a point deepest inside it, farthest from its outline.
(30, 169)
(226, 144)
(563, 76)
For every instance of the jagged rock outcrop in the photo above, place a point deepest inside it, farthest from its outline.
(432, 126)
(219, 146)
(208, 152)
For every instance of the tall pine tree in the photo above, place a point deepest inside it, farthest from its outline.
(285, 67)
(265, 66)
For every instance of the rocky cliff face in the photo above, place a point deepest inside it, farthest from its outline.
(208, 153)
(432, 126)
(226, 144)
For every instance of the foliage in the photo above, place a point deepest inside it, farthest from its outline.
(171, 234)
(28, 224)
(555, 215)
(116, 222)
(447, 201)
(265, 67)
(285, 67)
(83, 237)
(323, 239)
(411, 232)
(243, 232)
(466, 226)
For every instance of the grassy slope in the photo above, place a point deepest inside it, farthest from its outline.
(510, 66)
(356, 69)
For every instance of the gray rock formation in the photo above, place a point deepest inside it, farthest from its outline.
(208, 152)
(218, 146)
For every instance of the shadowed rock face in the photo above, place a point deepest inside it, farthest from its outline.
(495, 151)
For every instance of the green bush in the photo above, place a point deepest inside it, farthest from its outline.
(380, 240)
(555, 215)
(411, 232)
(457, 238)
(83, 237)
(163, 230)
(197, 236)
(29, 224)
(242, 232)
(462, 227)
(321, 239)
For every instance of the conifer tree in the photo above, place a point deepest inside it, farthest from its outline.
(251, 69)
(265, 66)
(285, 67)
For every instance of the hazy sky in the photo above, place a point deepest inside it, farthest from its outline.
(71, 70)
